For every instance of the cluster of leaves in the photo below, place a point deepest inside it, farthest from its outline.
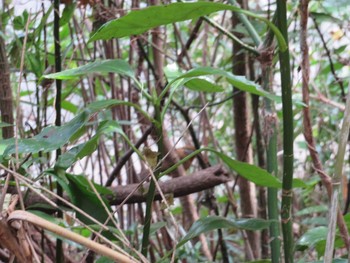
(82, 134)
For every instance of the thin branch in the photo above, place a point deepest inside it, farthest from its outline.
(305, 67)
(60, 231)
(231, 36)
(328, 53)
(122, 161)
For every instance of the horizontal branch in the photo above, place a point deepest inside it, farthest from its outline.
(180, 186)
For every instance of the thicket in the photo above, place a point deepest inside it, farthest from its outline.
(153, 131)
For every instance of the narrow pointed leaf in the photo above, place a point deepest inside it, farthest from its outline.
(103, 66)
(51, 138)
(210, 223)
(68, 158)
(239, 82)
(139, 21)
(85, 198)
(251, 172)
(203, 85)
(311, 237)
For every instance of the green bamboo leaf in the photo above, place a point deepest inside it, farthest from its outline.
(101, 66)
(68, 158)
(324, 17)
(250, 172)
(210, 223)
(67, 13)
(239, 82)
(336, 260)
(311, 210)
(104, 104)
(104, 260)
(260, 261)
(51, 138)
(311, 237)
(84, 197)
(203, 85)
(139, 21)
(156, 226)
(298, 183)
(69, 106)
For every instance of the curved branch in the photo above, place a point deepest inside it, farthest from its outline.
(42, 223)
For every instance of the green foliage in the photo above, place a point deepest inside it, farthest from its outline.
(210, 223)
(251, 172)
(137, 22)
(104, 66)
(51, 138)
(107, 103)
(83, 196)
(240, 82)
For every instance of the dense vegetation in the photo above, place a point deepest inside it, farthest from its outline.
(164, 131)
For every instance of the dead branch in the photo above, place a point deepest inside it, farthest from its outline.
(185, 185)
(180, 186)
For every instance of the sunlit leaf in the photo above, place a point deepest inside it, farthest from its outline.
(138, 21)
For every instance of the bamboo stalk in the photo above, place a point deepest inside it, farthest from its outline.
(287, 111)
(270, 134)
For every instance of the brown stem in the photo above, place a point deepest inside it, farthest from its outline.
(6, 100)
(242, 141)
(192, 37)
(305, 67)
(122, 161)
(328, 53)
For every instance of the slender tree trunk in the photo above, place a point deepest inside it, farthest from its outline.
(190, 214)
(6, 100)
(243, 150)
